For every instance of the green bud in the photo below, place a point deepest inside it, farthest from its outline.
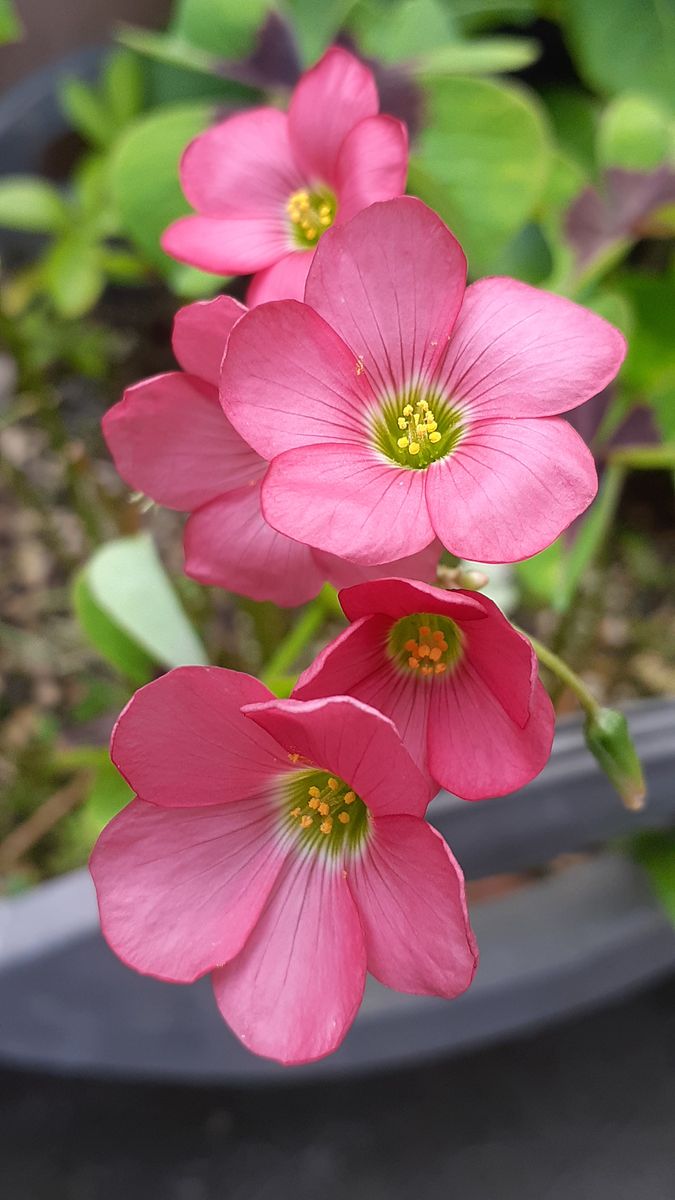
(608, 739)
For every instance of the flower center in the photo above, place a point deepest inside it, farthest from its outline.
(311, 214)
(415, 430)
(426, 644)
(326, 813)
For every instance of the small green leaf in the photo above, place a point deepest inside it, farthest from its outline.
(27, 203)
(86, 112)
(168, 48)
(609, 740)
(634, 133)
(109, 794)
(483, 56)
(655, 852)
(620, 46)
(226, 28)
(541, 576)
(72, 275)
(396, 32)
(10, 25)
(316, 24)
(121, 651)
(575, 116)
(122, 87)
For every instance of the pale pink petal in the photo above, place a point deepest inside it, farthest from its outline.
(180, 890)
(400, 597)
(391, 283)
(342, 573)
(475, 749)
(229, 544)
(284, 280)
(372, 165)
(510, 488)
(409, 892)
(503, 659)
(200, 333)
(296, 987)
(355, 742)
(327, 103)
(183, 742)
(171, 440)
(242, 167)
(517, 351)
(349, 502)
(227, 245)
(289, 381)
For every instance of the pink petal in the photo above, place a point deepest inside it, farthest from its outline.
(242, 167)
(227, 245)
(284, 280)
(327, 103)
(517, 351)
(229, 544)
(182, 741)
(171, 440)
(510, 488)
(353, 741)
(347, 501)
(390, 282)
(372, 165)
(341, 573)
(200, 333)
(297, 985)
(475, 749)
(503, 659)
(400, 597)
(179, 891)
(289, 381)
(409, 892)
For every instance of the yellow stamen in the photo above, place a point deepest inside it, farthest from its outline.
(425, 631)
(440, 668)
(434, 437)
(314, 803)
(402, 423)
(324, 808)
(295, 812)
(333, 784)
(350, 797)
(305, 822)
(414, 448)
(402, 443)
(408, 410)
(413, 662)
(326, 826)
(314, 791)
(343, 818)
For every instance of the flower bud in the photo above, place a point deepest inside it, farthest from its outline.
(609, 740)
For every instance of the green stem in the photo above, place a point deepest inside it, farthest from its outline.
(307, 625)
(566, 676)
(644, 458)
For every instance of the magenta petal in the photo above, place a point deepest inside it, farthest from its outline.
(391, 283)
(171, 440)
(200, 333)
(229, 544)
(296, 987)
(183, 742)
(517, 351)
(353, 741)
(373, 164)
(242, 167)
(476, 750)
(227, 245)
(289, 381)
(399, 597)
(503, 659)
(284, 280)
(348, 502)
(327, 103)
(510, 488)
(409, 893)
(180, 890)
(342, 573)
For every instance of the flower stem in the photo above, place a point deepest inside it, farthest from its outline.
(566, 676)
(277, 668)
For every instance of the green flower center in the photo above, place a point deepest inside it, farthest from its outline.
(416, 430)
(325, 813)
(426, 644)
(311, 214)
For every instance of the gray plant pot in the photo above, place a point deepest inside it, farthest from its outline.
(567, 942)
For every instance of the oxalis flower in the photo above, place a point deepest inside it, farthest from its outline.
(459, 682)
(396, 406)
(268, 184)
(281, 846)
(171, 440)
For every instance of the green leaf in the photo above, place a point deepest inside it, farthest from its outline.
(72, 275)
(591, 537)
(481, 162)
(129, 584)
(109, 793)
(316, 24)
(10, 25)
(122, 87)
(484, 56)
(168, 48)
(147, 192)
(655, 852)
(111, 642)
(574, 115)
(621, 46)
(27, 203)
(634, 134)
(540, 577)
(650, 365)
(395, 32)
(226, 28)
(86, 112)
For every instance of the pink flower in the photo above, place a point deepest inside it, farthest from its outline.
(458, 681)
(396, 406)
(267, 184)
(171, 440)
(281, 846)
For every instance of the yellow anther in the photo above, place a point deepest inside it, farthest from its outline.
(305, 822)
(413, 662)
(402, 443)
(424, 650)
(424, 631)
(324, 808)
(435, 653)
(423, 404)
(402, 423)
(431, 426)
(343, 818)
(438, 636)
(310, 234)
(408, 410)
(350, 797)
(426, 670)
(434, 437)
(295, 812)
(314, 803)
(293, 757)
(326, 825)
(333, 784)
(414, 447)
(411, 645)
(314, 791)
(440, 668)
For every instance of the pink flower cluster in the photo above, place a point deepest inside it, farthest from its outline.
(367, 411)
